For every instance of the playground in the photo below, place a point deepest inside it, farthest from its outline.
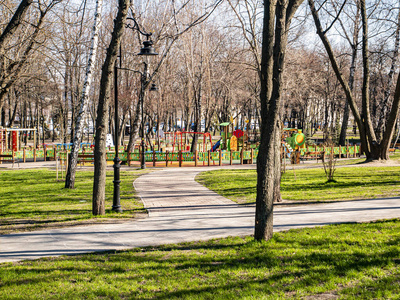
(175, 149)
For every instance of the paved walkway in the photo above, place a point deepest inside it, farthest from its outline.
(182, 210)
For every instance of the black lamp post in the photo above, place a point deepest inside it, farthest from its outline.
(117, 161)
(146, 51)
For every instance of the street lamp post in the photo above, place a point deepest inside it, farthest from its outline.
(146, 51)
(117, 161)
(143, 79)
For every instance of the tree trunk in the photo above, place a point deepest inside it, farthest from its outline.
(14, 70)
(83, 103)
(372, 149)
(135, 124)
(15, 21)
(265, 161)
(271, 77)
(100, 162)
(340, 77)
(366, 115)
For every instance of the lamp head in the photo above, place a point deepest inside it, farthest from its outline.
(148, 49)
(153, 87)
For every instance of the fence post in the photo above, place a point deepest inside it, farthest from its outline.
(24, 155)
(180, 158)
(241, 156)
(230, 157)
(220, 157)
(340, 151)
(252, 155)
(34, 154)
(209, 157)
(154, 157)
(128, 158)
(166, 158)
(195, 158)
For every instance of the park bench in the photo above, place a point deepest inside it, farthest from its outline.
(82, 158)
(9, 158)
(314, 155)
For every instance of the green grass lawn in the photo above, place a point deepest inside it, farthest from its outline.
(309, 184)
(31, 199)
(352, 261)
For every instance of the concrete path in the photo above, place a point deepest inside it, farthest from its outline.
(182, 210)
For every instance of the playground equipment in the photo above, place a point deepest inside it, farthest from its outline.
(10, 138)
(294, 137)
(179, 141)
(293, 140)
(234, 140)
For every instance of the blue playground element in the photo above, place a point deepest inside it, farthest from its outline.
(68, 146)
(216, 146)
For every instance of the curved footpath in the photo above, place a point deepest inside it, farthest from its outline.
(181, 210)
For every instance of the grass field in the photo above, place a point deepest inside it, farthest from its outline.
(32, 199)
(309, 184)
(350, 261)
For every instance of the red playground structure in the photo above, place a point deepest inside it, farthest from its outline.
(179, 140)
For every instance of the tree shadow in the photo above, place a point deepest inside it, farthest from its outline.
(299, 261)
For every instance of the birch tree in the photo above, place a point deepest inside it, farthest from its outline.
(83, 103)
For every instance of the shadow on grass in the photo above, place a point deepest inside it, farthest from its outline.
(338, 260)
(35, 194)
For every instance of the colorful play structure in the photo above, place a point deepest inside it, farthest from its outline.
(293, 140)
(233, 147)
(234, 140)
(180, 141)
(10, 138)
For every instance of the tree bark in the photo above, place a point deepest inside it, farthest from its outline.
(15, 21)
(366, 115)
(271, 77)
(100, 162)
(83, 103)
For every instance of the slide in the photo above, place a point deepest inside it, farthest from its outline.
(216, 145)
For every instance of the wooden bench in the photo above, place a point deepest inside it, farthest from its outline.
(82, 158)
(314, 155)
(9, 158)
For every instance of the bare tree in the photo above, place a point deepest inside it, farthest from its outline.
(70, 177)
(373, 148)
(12, 71)
(98, 206)
(277, 18)
(14, 23)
